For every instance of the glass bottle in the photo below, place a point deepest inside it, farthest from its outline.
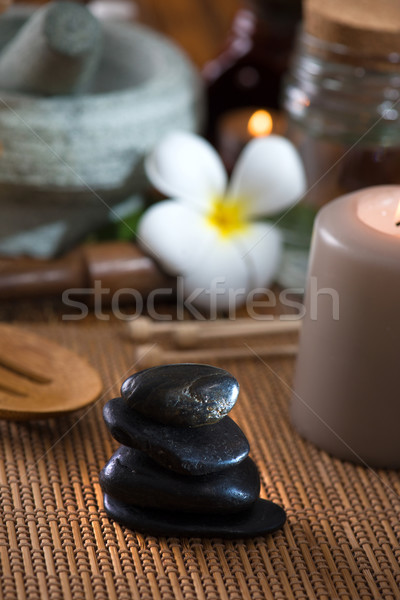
(249, 69)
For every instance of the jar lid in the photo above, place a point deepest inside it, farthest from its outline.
(369, 27)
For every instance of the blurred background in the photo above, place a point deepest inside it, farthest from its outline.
(230, 70)
(221, 77)
(199, 26)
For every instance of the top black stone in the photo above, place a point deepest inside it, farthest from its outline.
(182, 395)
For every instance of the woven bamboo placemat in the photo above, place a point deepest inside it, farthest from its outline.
(341, 539)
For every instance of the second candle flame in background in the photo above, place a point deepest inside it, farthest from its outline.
(260, 123)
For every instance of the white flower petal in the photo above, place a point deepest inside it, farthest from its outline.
(175, 235)
(269, 175)
(261, 247)
(184, 165)
(221, 280)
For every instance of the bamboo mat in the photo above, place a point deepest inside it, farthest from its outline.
(341, 539)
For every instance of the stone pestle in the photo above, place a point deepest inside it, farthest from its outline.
(184, 467)
(56, 52)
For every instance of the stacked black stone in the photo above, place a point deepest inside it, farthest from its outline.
(184, 467)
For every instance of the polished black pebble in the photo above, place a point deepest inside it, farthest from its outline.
(184, 395)
(190, 450)
(133, 478)
(263, 517)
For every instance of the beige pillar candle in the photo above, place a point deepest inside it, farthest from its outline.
(347, 384)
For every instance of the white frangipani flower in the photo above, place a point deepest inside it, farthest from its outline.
(207, 232)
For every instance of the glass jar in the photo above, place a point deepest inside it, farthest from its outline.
(343, 107)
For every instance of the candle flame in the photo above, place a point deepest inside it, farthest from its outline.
(397, 216)
(260, 123)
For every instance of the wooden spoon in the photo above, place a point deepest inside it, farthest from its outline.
(39, 378)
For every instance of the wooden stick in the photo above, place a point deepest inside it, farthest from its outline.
(144, 329)
(186, 333)
(150, 355)
(193, 333)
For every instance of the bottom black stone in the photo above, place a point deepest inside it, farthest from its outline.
(132, 477)
(263, 517)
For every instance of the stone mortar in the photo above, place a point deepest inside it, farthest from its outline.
(65, 160)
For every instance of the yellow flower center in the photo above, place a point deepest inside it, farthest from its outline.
(227, 215)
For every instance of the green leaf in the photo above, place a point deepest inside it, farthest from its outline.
(296, 225)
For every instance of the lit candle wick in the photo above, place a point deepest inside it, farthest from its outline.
(397, 215)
